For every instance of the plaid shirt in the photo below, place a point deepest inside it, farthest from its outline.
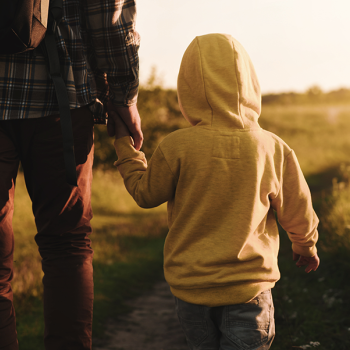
(98, 49)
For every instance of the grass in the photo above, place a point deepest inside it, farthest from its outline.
(335, 216)
(318, 134)
(128, 242)
(311, 307)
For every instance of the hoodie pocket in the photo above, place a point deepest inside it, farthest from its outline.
(227, 147)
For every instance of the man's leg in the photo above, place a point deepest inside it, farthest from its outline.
(9, 161)
(62, 215)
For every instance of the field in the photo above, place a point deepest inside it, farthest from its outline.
(128, 240)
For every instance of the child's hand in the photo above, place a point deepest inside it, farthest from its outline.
(116, 127)
(121, 117)
(311, 262)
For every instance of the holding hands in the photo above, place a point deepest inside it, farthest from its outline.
(125, 121)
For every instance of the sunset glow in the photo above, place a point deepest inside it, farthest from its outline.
(293, 44)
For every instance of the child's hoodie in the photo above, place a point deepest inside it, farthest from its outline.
(223, 178)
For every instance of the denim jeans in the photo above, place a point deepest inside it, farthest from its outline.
(248, 326)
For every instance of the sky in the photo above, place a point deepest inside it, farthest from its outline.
(293, 44)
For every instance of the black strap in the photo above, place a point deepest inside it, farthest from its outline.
(61, 92)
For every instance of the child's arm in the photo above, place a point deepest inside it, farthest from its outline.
(150, 185)
(296, 215)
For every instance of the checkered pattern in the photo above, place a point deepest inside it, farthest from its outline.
(98, 49)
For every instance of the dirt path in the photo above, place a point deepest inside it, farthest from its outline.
(152, 325)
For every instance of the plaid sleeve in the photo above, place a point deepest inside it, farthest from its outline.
(114, 44)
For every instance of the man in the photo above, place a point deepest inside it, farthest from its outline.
(98, 49)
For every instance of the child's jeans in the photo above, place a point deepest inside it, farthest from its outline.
(249, 326)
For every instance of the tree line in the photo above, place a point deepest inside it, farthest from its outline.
(161, 115)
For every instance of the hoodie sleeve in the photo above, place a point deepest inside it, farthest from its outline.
(150, 185)
(294, 208)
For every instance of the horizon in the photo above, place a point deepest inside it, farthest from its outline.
(158, 82)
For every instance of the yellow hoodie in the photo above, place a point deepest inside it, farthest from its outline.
(223, 178)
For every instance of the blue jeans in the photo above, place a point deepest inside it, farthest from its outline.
(248, 326)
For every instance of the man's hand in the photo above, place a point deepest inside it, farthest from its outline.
(311, 262)
(130, 116)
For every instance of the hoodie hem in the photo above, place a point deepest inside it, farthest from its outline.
(224, 295)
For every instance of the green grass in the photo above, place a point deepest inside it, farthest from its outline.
(318, 134)
(311, 307)
(128, 244)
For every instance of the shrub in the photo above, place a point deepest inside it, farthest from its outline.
(335, 215)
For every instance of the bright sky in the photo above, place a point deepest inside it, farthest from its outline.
(293, 44)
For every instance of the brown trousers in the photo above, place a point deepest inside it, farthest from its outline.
(62, 216)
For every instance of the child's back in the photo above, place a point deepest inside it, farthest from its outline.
(222, 178)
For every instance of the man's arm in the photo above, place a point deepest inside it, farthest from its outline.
(115, 44)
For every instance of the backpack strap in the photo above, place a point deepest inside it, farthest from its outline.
(50, 49)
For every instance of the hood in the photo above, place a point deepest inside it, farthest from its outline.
(217, 85)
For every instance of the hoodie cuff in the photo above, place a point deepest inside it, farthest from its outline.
(126, 151)
(304, 251)
(124, 148)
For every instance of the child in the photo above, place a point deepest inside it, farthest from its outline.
(223, 178)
